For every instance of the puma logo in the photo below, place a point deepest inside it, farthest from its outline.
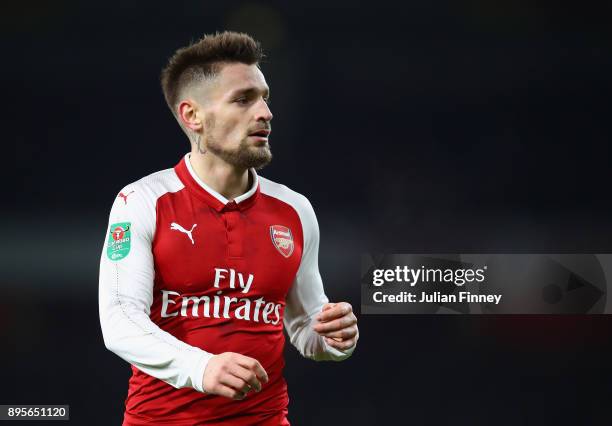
(124, 196)
(176, 227)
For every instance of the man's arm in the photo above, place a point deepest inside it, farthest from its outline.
(125, 298)
(306, 300)
(126, 294)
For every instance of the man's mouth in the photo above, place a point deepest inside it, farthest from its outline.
(262, 133)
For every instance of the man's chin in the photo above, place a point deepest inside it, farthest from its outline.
(260, 150)
(253, 157)
(246, 156)
(260, 161)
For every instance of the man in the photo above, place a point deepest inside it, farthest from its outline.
(203, 263)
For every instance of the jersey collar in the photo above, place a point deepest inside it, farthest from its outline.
(217, 201)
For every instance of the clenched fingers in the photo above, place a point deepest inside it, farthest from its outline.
(343, 334)
(253, 365)
(336, 324)
(235, 383)
(341, 345)
(332, 311)
(249, 377)
(233, 375)
(229, 392)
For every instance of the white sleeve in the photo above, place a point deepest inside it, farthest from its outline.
(126, 294)
(307, 297)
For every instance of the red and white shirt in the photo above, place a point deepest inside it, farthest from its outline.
(186, 274)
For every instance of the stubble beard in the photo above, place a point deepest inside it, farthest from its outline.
(243, 157)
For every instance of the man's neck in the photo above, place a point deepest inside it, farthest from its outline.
(224, 178)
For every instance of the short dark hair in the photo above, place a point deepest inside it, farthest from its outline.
(204, 59)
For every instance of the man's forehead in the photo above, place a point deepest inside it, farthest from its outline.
(241, 77)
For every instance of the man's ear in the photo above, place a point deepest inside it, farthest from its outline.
(189, 114)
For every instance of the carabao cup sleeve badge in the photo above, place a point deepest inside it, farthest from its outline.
(119, 241)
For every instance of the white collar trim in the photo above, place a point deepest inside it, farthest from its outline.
(214, 193)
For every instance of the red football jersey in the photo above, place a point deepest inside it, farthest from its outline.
(186, 274)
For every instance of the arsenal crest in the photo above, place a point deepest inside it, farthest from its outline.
(282, 239)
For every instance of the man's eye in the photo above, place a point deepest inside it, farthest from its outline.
(242, 101)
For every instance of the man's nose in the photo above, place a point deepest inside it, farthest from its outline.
(263, 112)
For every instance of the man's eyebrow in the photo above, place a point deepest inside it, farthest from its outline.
(250, 91)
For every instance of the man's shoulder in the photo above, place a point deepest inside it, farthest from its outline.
(157, 183)
(144, 192)
(283, 193)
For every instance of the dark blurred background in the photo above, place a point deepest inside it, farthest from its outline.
(439, 126)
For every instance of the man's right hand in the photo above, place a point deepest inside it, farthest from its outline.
(233, 375)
